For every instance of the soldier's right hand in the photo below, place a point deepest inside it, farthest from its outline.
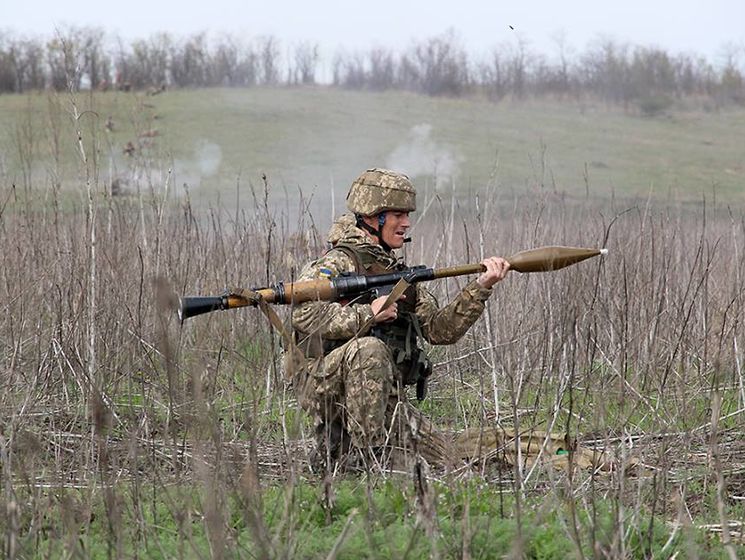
(388, 314)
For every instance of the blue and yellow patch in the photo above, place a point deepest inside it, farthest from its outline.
(325, 272)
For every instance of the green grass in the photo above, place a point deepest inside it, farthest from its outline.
(381, 517)
(317, 137)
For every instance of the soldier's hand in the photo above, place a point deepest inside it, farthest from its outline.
(496, 270)
(388, 314)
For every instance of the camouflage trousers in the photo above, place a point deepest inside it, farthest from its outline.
(356, 401)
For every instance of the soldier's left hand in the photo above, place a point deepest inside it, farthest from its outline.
(496, 270)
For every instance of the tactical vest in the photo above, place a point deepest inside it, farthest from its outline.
(401, 335)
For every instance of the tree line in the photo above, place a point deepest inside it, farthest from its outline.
(648, 77)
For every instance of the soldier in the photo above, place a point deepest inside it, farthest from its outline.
(360, 355)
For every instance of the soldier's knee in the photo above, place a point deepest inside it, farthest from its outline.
(370, 357)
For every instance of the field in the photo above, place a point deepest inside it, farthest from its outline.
(319, 139)
(126, 434)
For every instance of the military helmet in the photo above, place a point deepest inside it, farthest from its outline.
(378, 190)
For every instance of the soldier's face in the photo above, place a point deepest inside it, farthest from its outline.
(395, 227)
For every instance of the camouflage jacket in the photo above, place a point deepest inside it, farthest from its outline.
(337, 321)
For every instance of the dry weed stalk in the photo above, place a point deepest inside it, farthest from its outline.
(107, 393)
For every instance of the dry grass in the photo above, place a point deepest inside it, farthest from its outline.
(102, 389)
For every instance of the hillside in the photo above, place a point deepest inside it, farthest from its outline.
(317, 138)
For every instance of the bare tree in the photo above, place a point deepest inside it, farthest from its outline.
(248, 67)
(354, 75)
(651, 72)
(31, 67)
(145, 63)
(189, 62)
(269, 60)
(518, 70)
(438, 66)
(562, 85)
(123, 65)
(95, 64)
(9, 79)
(306, 61)
(382, 69)
(614, 72)
(64, 58)
(605, 68)
(21, 64)
(158, 60)
(225, 62)
(732, 82)
(409, 75)
(694, 75)
(494, 76)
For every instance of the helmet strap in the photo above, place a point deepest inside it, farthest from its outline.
(378, 233)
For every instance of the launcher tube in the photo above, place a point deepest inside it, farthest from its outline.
(542, 259)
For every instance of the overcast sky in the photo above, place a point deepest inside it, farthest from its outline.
(700, 26)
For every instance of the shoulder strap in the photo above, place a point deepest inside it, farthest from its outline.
(365, 260)
(351, 251)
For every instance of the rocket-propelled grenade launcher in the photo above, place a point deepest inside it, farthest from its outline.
(542, 259)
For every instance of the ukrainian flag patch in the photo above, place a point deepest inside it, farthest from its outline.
(326, 272)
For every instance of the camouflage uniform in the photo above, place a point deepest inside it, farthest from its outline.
(355, 389)
(349, 372)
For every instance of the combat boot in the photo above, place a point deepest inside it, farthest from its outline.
(332, 447)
